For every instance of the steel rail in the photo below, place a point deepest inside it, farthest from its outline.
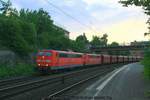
(51, 96)
(13, 90)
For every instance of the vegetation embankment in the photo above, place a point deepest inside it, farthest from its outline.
(19, 69)
(146, 63)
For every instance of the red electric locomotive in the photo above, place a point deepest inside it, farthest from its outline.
(54, 60)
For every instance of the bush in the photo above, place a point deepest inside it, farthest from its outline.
(11, 36)
(146, 63)
(17, 70)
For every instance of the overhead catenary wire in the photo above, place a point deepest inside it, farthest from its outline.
(68, 15)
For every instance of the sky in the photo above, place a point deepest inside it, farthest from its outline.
(94, 17)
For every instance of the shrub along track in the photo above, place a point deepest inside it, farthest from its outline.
(54, 82)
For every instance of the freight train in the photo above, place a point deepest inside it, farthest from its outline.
(50, 60)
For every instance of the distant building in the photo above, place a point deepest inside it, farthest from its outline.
(136, 43)
(139, 43)
(63, 30)
(137, 53)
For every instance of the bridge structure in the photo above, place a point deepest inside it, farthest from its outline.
(136, 50)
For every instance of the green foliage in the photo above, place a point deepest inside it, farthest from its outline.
(99, 42)
(60, 43)
(40, 19)
(5, 7)
(143, 3)
(104, 40)
(10, 36)
(81, 43)
(17, 70)
(26, 31)
(47, 34)
(146, 63)
(82, 38)
(95, 41)
(114, 44)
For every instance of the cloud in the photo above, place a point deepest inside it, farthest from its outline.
(17, 6)
(100, 15)
(91, 2)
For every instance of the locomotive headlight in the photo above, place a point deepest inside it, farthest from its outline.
(48, 61)
(46, 64)
(38, 64)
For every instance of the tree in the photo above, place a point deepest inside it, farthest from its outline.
(5, 7)
(40, 18)
(81, 43)
(99, 42)
(104, 40)
(30, 30)
(10, 36)
(59, 43)
(82, 38)
(47, 34)
(114, 44)
(96, 41)
(28, 33)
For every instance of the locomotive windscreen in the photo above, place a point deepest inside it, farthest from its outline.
(44, 54)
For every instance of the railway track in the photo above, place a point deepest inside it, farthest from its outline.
(62, 79)
(20, 80)
(12, 81)
(56, 95)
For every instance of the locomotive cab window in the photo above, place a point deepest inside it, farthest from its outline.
(44, 54)
(40, 54)
(48, 54)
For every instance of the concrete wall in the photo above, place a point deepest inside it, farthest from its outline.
(10, 58)
(7, 57)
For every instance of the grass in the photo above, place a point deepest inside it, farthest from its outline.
(20, 69)
(146, 64)
(147, 94)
